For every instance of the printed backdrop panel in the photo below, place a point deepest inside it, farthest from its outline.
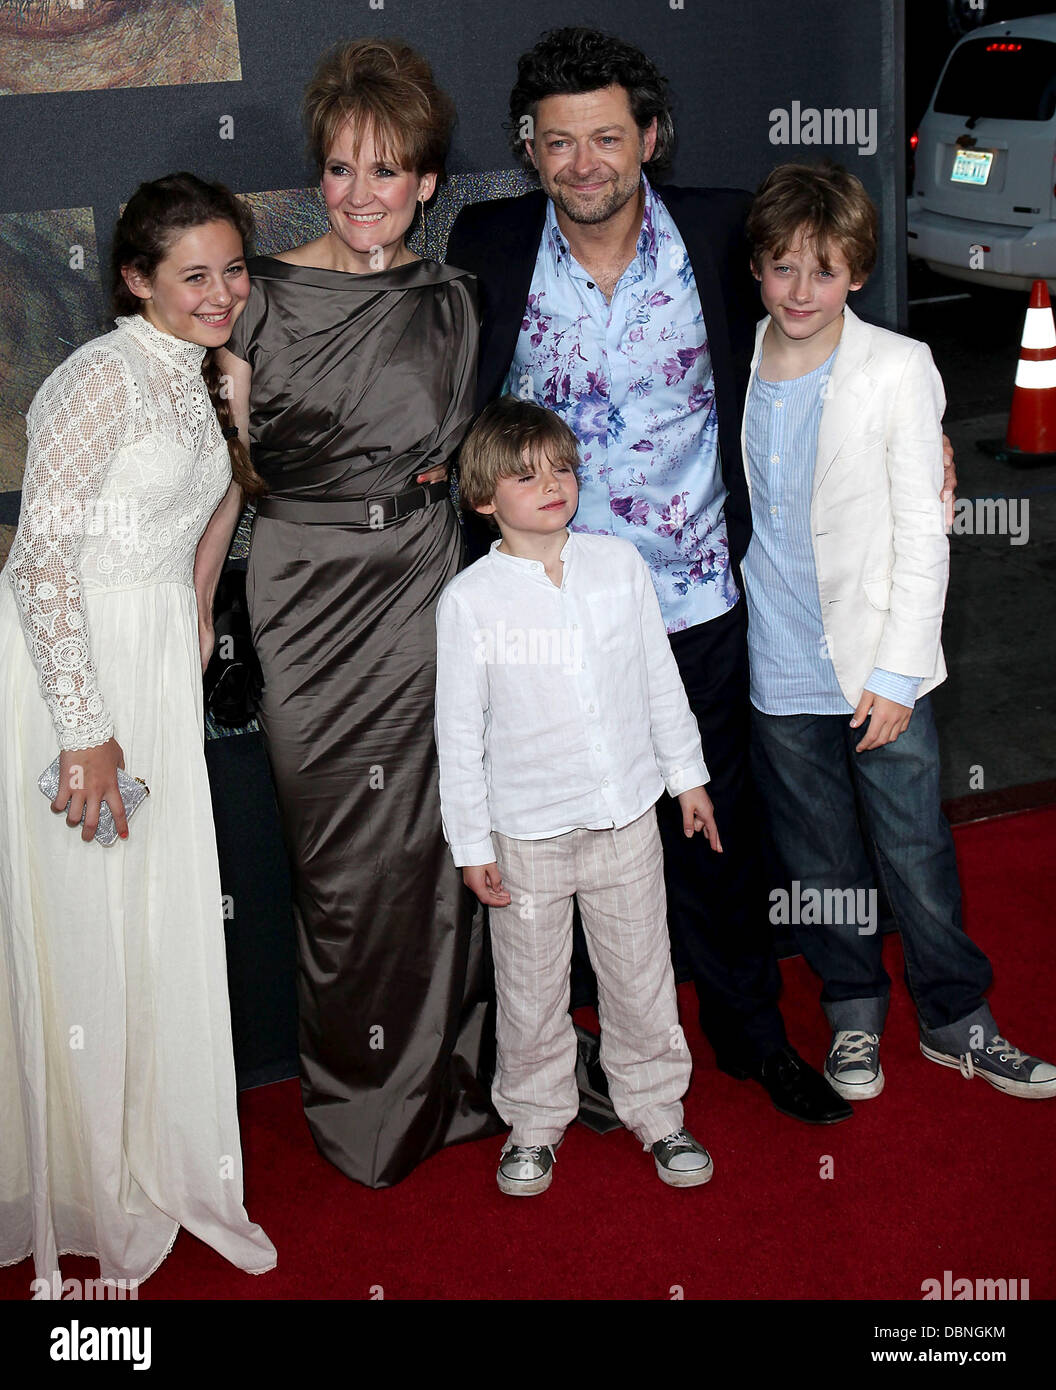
(83, 45)
(49, 303)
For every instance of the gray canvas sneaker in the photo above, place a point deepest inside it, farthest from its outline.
(852, 1067)
(525, 1170)
(1004, 1066)
(681, 1161)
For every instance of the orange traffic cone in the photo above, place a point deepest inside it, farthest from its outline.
(1032, 423)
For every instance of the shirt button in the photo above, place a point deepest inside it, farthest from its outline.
(773, 511)
(775, 458)
(590, 709)
(591, 285)
(604, 781)
(778, 405)
(597, 748)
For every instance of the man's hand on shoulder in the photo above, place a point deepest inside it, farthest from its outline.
(949, 480)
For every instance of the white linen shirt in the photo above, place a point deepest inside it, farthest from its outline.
(556, 708)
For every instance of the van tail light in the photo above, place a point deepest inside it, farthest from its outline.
(914, 141)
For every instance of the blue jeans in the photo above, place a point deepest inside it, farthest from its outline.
(835, 814)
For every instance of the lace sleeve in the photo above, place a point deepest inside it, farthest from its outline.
(79, 418)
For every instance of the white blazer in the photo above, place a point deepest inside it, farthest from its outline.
(877, 520)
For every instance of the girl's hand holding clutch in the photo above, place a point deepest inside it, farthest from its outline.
(88, 776)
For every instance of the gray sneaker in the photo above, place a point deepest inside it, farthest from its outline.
(852, 1067)
(525, 1171)
(1004, 1066)
(681, 1161)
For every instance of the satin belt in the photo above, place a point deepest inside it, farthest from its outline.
(364, 513)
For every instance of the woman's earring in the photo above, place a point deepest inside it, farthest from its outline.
(425, 233)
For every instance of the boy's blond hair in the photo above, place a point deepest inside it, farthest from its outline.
(506, 440)
(825, 204)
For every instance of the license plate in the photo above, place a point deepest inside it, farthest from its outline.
(971, 166)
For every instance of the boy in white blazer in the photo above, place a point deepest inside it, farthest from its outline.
(846, 579)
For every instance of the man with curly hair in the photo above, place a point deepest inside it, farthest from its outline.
(631, 313)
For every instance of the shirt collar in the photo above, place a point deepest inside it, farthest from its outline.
(804, 383)
(183, 356)
(535, 567)
(648, 237)
(645, 251)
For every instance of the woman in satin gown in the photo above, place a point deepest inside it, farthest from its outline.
(354, 366)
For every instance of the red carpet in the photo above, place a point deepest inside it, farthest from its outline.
(936, 1174)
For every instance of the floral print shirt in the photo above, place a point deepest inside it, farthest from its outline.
(632, 378)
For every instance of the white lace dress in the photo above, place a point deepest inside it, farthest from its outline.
(118, 1122)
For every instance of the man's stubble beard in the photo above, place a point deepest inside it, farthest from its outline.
(618, 198)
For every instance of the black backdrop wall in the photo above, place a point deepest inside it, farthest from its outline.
(95, 98)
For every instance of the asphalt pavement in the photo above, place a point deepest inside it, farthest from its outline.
(995, 711)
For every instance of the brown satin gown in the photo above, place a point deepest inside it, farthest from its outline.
(360, 382)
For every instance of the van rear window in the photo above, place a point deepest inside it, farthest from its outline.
(1006, 79)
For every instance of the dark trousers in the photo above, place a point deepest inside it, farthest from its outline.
(717, 904)
(828, 807)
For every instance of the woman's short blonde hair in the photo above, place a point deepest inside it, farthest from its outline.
(384, 88)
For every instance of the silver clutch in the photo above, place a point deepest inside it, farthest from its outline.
(133, 791)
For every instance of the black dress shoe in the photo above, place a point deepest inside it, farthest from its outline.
(595, 1105)
(795, 1088)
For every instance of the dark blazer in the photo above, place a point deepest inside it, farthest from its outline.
(499, 241)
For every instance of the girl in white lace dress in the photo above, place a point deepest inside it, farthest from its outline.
(118, 1121)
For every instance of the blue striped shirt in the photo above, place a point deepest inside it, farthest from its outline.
(791, 669)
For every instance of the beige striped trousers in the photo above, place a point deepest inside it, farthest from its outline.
(617, 876)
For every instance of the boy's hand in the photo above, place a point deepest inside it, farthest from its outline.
(486, 881)
(699, 814)
(887, 720)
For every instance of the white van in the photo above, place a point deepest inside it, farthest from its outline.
(983, 204)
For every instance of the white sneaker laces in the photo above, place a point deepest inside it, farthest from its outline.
(525, 1154)
(1007, 1051)
(1002, 1047)
(856, 1047)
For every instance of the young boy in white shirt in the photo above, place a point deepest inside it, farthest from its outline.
(846, 579)
(560, 718)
